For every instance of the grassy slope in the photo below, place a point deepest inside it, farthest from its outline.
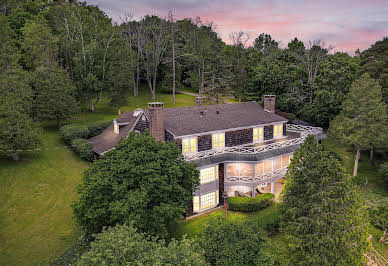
(36, 221)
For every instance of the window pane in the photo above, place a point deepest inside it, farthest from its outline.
(280, 130)
(193, 147)
(245, 169)
(207, 175)
(277, 163)
(275, 131)
(255, 134)
(285, 161)
(267, 166)
(208, 200)
(215, 142)
(232, 169)
(195, 203)
(261, 133)
(185, 145)
(259, 168)
(221, 139)
(217, 171)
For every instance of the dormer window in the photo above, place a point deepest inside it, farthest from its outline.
(258, 134)
(189, 145)
(278, 131)
(218, 140)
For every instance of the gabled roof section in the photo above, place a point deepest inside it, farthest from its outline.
(219, 117)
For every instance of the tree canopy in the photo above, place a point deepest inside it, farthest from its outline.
(321, 210)
(141, 180)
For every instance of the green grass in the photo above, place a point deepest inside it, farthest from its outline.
(36, 220)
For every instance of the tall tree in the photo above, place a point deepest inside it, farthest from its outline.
(375, 62)
(172, 23)
(362, 123)
(321, 210)
(141, 180)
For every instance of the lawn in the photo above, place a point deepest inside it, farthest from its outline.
(36, 220)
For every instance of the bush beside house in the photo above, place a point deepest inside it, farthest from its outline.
(247, 204)
(73, 131)
(96, 128)
(83, 148)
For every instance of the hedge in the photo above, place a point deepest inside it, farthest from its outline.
(83, 148)
(73, 131)
(247, 204)
(96, 128)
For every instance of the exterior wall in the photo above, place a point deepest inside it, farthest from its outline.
(142, 126)
(238, 137)
(205, 143)
(189, 210)
(178, 142)
(168, 136)
(268, 132)
(284, 129)
(221, 176)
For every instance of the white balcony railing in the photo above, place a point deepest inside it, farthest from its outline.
(257, 179)
(249, 149)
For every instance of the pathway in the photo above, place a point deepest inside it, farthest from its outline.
(196, 95)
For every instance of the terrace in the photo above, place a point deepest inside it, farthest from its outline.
(296, 136)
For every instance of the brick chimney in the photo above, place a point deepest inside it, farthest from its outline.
(269, 103)
(156, 110)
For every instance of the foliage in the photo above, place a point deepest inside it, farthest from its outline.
(384, 171)
(229, 243)
(96, 128)
(141, 180)
(322, 211)
(248, 204)
(375, 62)
(83, 148)
(124, 245)
(75, 252)
(74, 131)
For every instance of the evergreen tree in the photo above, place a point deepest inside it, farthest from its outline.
(322, 211)
(362, 123)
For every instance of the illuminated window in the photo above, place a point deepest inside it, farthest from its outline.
(267, 166)
(278, 131)
(195, 203)
(218, 140)
(258, 134)
(239, 169)
(277, 163)
(208, 174)
(259, 168)
(285, 161)
(208, 200)
(189, 145)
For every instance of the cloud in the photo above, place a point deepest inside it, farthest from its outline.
(348, 25)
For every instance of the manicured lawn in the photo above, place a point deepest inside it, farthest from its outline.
(36, 220)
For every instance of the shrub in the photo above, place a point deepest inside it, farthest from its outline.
(234, 243)
(246, 204)
(379, 217)
(96, 128)
(384, 172)
(73, 131)
(83, 148)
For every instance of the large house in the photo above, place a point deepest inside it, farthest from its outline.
(240, 148)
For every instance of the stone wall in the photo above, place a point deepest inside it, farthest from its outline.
(238, 137)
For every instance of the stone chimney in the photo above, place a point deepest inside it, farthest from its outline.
(156, 110)
(199, 100)
(269, 103)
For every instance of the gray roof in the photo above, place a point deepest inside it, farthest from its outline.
(200, 119)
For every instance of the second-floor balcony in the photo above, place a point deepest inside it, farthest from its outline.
(296, 136)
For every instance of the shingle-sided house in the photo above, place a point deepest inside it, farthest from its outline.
(240, 148)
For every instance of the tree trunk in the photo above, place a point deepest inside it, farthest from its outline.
(202, 76)
(15, 156)
(137, 73)
(91, 105)
(119, 111)
(356, 162)
(372, 157)
(59, 123)
(173, 64)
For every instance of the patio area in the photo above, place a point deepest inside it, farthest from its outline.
(278, 186)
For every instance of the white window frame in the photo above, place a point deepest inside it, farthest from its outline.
(217, 136)
(214, 169)
(199, 198)
(258, 139)
(190, 139)
(277, 126)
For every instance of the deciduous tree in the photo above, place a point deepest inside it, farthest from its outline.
(362, 123)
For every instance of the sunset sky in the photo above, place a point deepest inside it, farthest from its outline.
(347, 25)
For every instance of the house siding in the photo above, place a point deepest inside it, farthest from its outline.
(204, 143)
(284, 130)
(238, 137)
(268, 132)
(168, 136)
(142, 126)
(190, 209)
(221, 178)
